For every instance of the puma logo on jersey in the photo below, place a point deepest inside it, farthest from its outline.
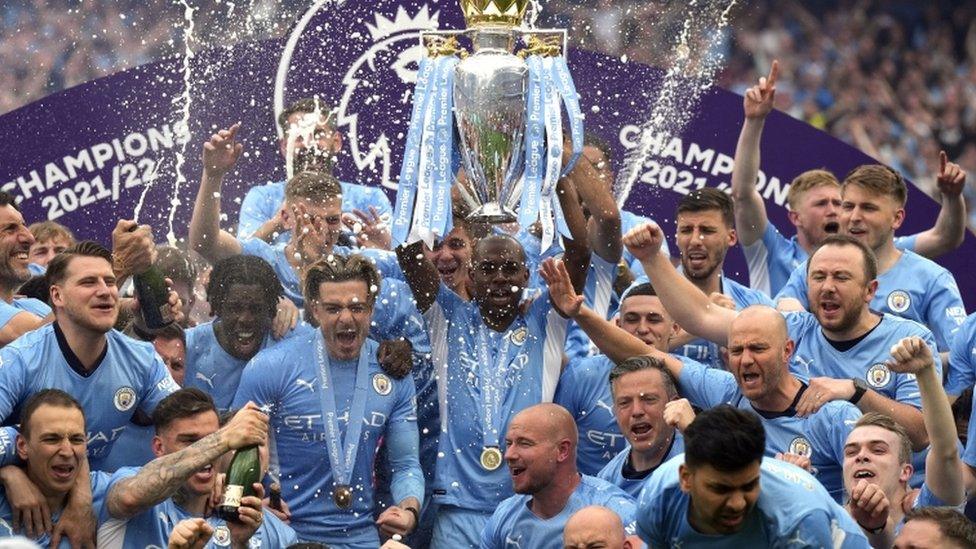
(205, 379)
(302, 383)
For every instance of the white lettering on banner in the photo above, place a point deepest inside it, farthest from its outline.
(98, 172)
(669, 155)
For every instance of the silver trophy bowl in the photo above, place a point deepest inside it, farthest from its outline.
(490, 89)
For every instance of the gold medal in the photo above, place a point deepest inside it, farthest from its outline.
(491, 458)
(342, 496)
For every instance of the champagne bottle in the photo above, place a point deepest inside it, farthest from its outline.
(274, 496)
(153, 294)
(244, 471)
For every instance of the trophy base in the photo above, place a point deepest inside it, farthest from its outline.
(492, 213)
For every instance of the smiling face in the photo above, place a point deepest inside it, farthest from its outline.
(88, 297)
(535, 450)
(452, 258)
(703, 239)
(870, 217)
(498, 275)
(183, 432)
(344, 312)
(54, 448)
(720, 500)
(243, 320)
(15, 245)
(836, 287)
(639, 399)
(873, 453)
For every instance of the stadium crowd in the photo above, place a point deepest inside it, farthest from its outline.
(481, 390)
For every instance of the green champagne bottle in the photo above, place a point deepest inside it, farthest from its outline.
(244, 471)
(153, 295)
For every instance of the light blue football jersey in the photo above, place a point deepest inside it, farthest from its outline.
(962, 358)
(584, 390)
(515, 525)
(527, 359)
(793, 510)
(820, 436)
(621, 474)
(285, 380)
(914, 288)
(152, 527)
(129, 377)
(262, 202)
(773, 258)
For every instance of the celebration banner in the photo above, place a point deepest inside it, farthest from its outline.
(130, 143)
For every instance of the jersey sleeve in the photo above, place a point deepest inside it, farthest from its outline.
(818, 529)
(385, 262)
(403, 442)
(259, 248)
(159, 384)
(8, 447)
(760, 254)
(13, 382)
(830, 427)
(706, 387)
(256, 208)
(796, 286)
(962, 359)
(944, 312)
(569, 390)
(906, 242)
(7, 312)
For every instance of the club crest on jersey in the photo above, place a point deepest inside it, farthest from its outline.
(801, 447)
(381, 384)
(124, 399)
(221, 536)
(878, 375)
(519, 336)
(899, 301)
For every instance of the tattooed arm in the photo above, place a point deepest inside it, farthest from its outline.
(160, 478)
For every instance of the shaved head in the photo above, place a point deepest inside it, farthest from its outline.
(761, 315)
(551, 419)
(540, 448)
(594, 526)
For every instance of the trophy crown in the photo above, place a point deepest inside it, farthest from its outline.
(501, 13)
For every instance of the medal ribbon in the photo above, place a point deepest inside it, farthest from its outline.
(492, 376)
(342, 451)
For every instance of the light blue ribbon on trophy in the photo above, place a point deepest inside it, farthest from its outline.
(423, 209)
(554, 159)
(342, 450)
(411, 154)
(535, 144)
(563, 81)
(443, 114)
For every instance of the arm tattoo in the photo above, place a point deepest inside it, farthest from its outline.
(161, 477)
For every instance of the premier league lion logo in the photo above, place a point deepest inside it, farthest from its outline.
(381, 82)
(363, 59)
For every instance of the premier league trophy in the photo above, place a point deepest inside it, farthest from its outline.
(505, 98)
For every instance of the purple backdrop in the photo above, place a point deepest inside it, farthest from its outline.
(84, 156)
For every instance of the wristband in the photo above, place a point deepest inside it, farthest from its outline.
(416, 517)
(873, 531)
